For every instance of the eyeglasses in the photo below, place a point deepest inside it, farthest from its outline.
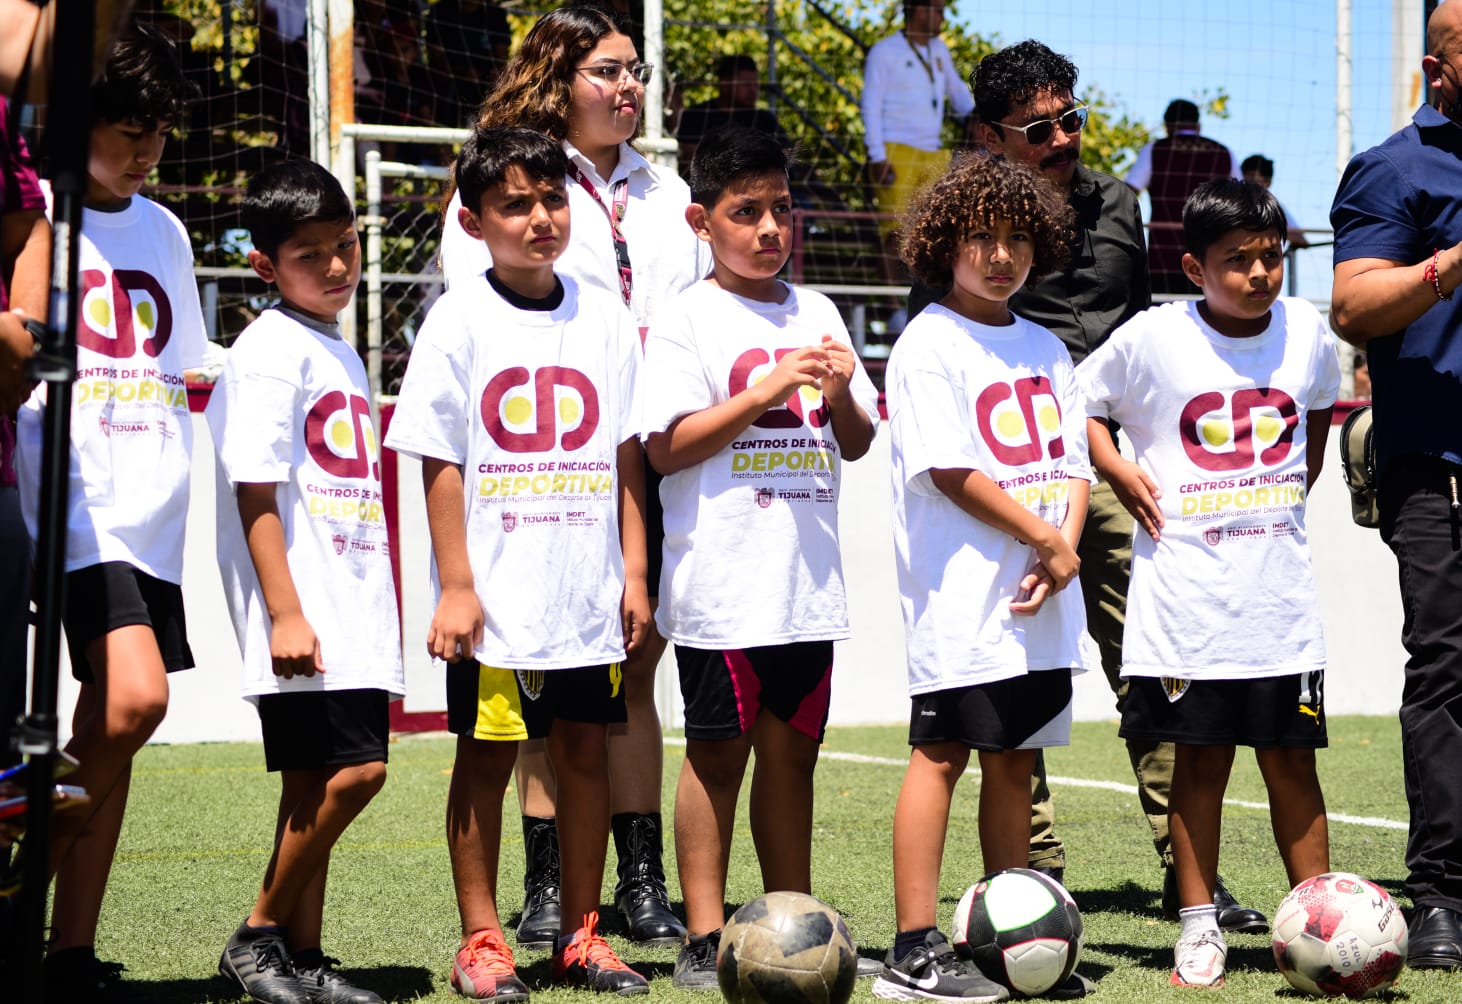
(1036, 133)
(613, 73)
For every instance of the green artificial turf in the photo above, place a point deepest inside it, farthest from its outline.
(198, 831)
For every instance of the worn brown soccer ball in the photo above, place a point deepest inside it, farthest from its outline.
(786, 948)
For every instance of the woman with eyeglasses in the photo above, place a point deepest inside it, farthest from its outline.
(578, 78)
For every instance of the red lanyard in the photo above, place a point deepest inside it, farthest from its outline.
(619, 195)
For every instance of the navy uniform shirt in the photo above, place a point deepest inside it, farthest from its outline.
(1399, 202)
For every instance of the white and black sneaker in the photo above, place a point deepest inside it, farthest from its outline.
(932, 972)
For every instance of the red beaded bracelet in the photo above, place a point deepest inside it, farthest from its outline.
(1431, 275)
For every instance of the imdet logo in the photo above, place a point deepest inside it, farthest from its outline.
(137, 304)
(804, 405)
(1020, 422)
(561, 399)
(340, 438)
(1226, 435)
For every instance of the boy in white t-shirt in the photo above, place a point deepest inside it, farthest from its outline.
(521, 399)
(990, 483)
(1227, 402)
(306, 568)
(139, 327)
(754, 401)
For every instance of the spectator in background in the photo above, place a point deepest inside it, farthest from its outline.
(1260, 170)
(1170, 169)
(283, 61)
(738, 85)
(394, 85)
(909, 79)
(467, 40)
(1360, 377)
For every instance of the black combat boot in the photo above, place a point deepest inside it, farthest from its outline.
(640, 895)
(538, 925)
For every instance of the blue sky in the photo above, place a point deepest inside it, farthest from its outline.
(1275, 60)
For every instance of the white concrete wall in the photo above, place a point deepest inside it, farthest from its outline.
(1357, 582)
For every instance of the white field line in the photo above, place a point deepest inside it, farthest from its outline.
(1081, 782)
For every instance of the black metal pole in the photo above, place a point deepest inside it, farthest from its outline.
(67, 141)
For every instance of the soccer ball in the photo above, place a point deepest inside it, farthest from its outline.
(786, 948)
(1339, 934)
(1021, 928)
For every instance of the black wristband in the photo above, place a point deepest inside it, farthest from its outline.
(38, 330)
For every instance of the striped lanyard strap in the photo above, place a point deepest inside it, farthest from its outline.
(619, 200)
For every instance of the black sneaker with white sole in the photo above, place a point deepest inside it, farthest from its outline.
(933, 972)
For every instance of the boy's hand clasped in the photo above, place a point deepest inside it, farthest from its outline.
(1053, 572)
(838, 357)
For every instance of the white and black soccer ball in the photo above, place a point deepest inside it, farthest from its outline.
(1021, 928)
(786, 948)
(1339, 935)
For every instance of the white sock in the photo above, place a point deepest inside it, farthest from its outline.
(1199, 920)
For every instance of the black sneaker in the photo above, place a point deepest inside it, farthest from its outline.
(76, 974)
(1233, 916)
(325, 985)
(695, 966)
(1075, 988)
(255, 960)
(934, 973)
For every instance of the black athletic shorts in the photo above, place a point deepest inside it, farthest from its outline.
(102, 598)
(1266, 712)
(724, 691)
(1031, 711)
(313, 729)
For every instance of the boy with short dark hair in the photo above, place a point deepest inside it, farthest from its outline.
(754, 401)
(521, 399)
(306, 568)
(139, 327)
(1227, 402)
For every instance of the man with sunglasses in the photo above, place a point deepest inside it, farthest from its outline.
(1028, 112)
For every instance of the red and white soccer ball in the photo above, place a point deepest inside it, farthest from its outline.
(1339, 935)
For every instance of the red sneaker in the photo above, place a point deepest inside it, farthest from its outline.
(484, 970)
(589, 962)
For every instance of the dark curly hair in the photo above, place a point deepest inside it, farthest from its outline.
(977, 192)
(1017, 74)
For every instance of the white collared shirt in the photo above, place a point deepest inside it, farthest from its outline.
(664, 252)
(905, 90)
